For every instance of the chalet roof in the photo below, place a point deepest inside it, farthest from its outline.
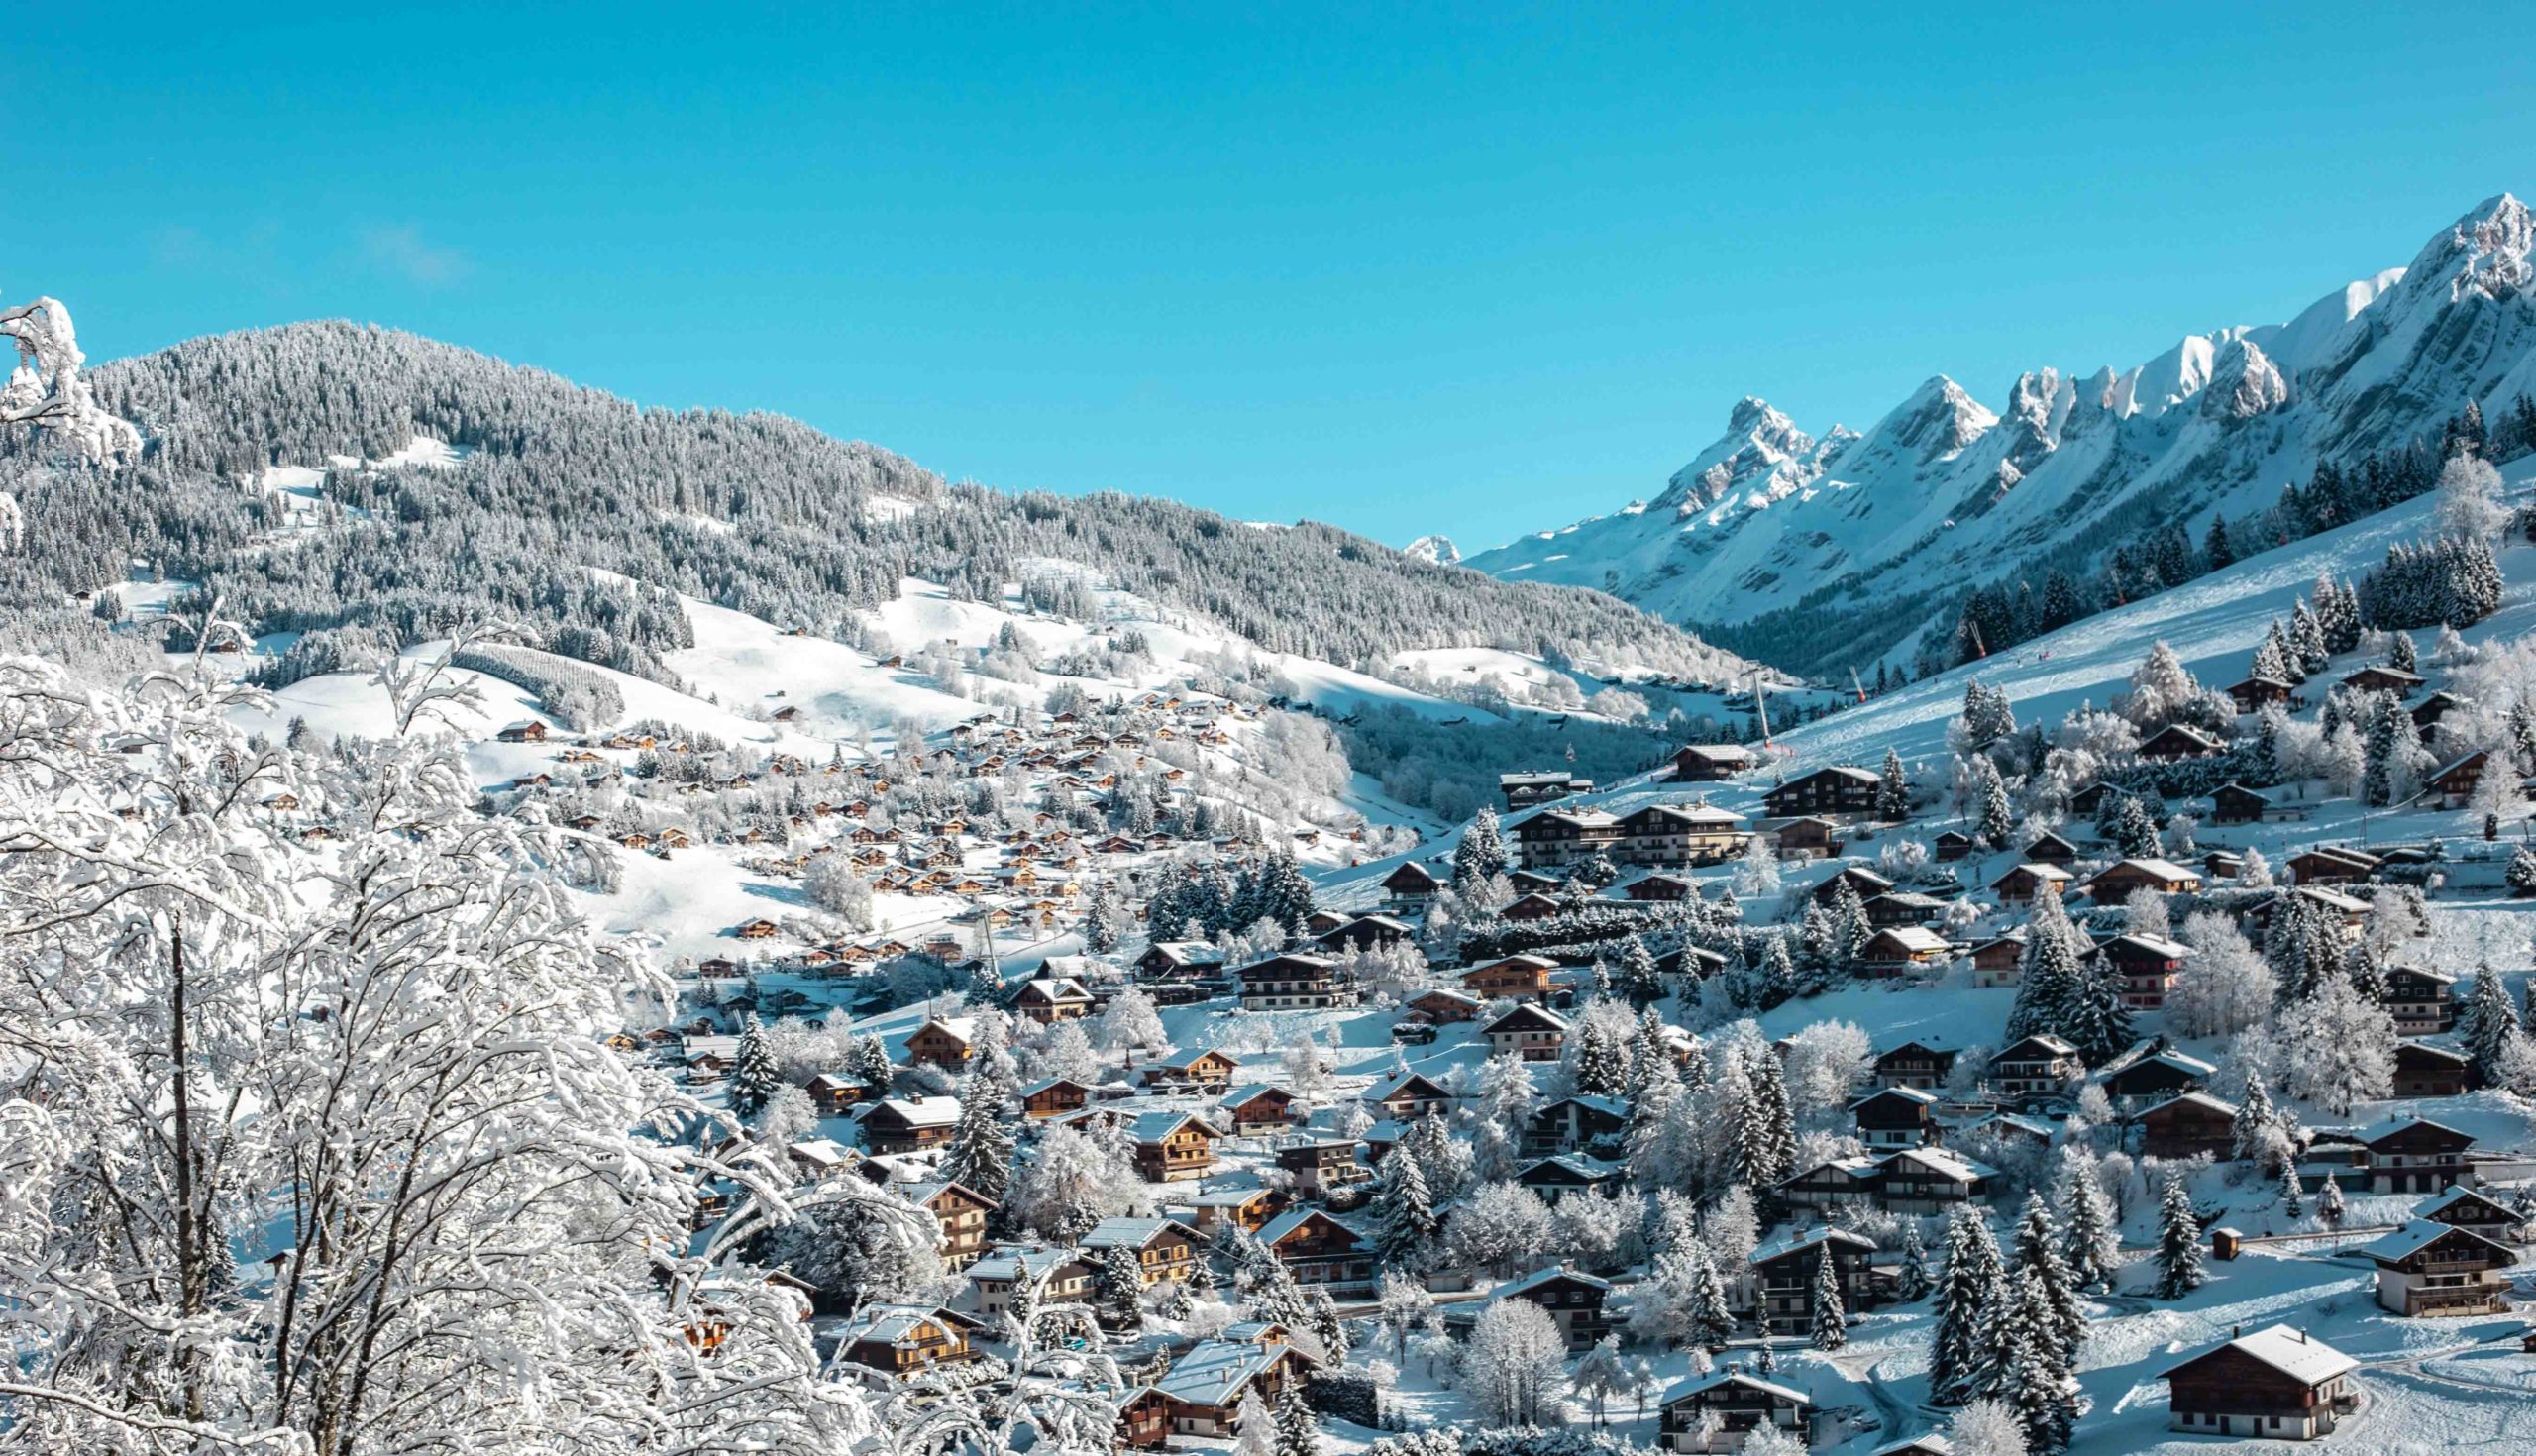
(1538, 777)
(1153, 1127)
(1190, 952)
(1915, 939)
(1060, 989)
(1911, 1095)
(2378, 1132)
(1526, 1015)
(1539, 1276)
(1797, 1241)
(1405, 1082)
(1225, 1197)
(2458, 1194)
(927, 1190)
(2147, 1052)
(1411, 871)
(1695, 813)
(1586, 1167)
(2033, 868)
(1016, 1263)
(963, 1027)
(1952, 1165)
(2041, 1041)
(1293, 1218)
(1133, 1234)
(2159, 869)
(1246, 1092)
(2478, 758)
(2421, 1048)
(920, 1111)
(1183, 1061)
(1612, 1107)
(1842, 771)
(1940, 1044)
(1855, 1165)
(897, 1324)
(2203, 1100)
(2184, 731)
(1216, 1372)
(1702, 1384)
(2419, 1234)
(2292, 1352)
(2156, 945)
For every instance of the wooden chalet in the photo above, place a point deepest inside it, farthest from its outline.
(1054, 1097)
(1556, 837)
(2123, 878)
(1864, 883)
(1841, 788)
(1740, 1402)
(2331, 865)
(909, 1125)
(2281, 1384)
(1292, 981)
(2427, 1269)
(2049, 848)
(1896, 1117)
(2187, 1125)
(1695, 833)
(2233, 803)
(1172, 1146)
(2413, 1155)
(1660, 888)
(2452, 784)
(1051, 999)
(2147, 965)
(1322, 1250)
(2000, 960)
(2377, 678)
(1245, 1208)
(947, 1042)
(1919, 1182)
(2467, 1207)
(1921, 1064)
(1574, 1123)
(2023, 884)
(1203, 1389)
(1319, 1167)
(1537, 905)
(2255, 693)
(1208, 1070)
(1528, 790)
(1410, 886)
(528, 731)
(1784, 1270)
(1899, 949)
(2426, 1070)
(2150, 1072)
(2178, 741)
(961, 1210)
(1531, 1032)
(2422, 1001)
(1165, 1248)
(1809, 837)
(1408, 1097)
(1367, 933)
(1952, 845)
(904, 1340)
(1711, 762)
(1516, 978)
(1259, 1108)
(1572, 1300)
(2037, 1064)
(1441, 1007)
(1561, 1174)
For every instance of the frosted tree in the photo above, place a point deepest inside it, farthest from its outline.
(754, 1074)
(1830, 1328)
(2224, 986)
(1511, 1371)
(833, 886)
(2328, 1205)
(1406, 1227)
(1893, 790)
(1987, 1428)
(2033, 1378)
(1499, 1227)
(2048, 985)
(2485, 1024)
(1402, 1304)
(1481, 854)
(1767, 1440)
(2341, 1048)
(1967, 1288)
(48, 392)
(2091, 1239)
(1254, 1425)
(2469, 504)
(1130, 1022)
(1600, 1373)
(1297, 1433)
(2055, 1288)
(2161, 688)
(2179, 1256)
(1912, 1279)
(1506, 1091)
(980, 1154)
(1102, 922)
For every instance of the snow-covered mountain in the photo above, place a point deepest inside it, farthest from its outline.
(1437, 549)
(1850, 544)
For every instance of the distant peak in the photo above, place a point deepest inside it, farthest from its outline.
(2486, 251)
(1437, 549)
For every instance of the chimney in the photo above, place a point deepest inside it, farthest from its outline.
(2236, 1331)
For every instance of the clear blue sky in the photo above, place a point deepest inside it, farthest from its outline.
(1391, 267)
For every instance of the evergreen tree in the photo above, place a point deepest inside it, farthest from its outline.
(2091, 1244)
(1404, 1223)
(1639, 978)
(2179, 1270)
(2098, 1022)
(2039, 1258)
(2328, 1200)
(1912, 1282)
(1967, 1289)
(2487, 1025)
(1775, 979)
(754, 1074)
(2032, 1379)
(2257, 1123)
(1893, 790)
(1830, 1325)
(1709, 1319)
(2272, 660)
(2048, 985)
(1328, 1330)
(2294, 1193)
(2215, 546)
(1482, 853)
(1117, 1287)
(1297, 1433)
(981, 1141)
(1993, 822)
(1764, 1128)
(2401, 653)
(1100, 922)
(868, 1062)
(2135, 833)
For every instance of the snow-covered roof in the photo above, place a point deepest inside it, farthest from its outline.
(1699, 1383)
(1150, 1127)
(2458, 1194)
(922, 1112)
(1906, 1094)
(1392, 1087)
(1132, 1233)
(1245, 1094)
(1540, 1277)
(2418, 1234)
(1912, 938)
(1013, 1264)
(1952, 1165)
(1797, 1240)
(2380, 1131)
(2199, 1099)
(1293, 1218)
(1215, 1372)
(2290, 1351)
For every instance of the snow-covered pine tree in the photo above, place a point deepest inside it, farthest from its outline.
(2039, 1257)
(1912, 1282)
(1638, 979)
(1708, 1319)
(2179, 1267)
(2272, 660)
(2048, 985)
(2032, 1377)
(2135, 830)
(1481, 854)
(1992, 820)
(2098, 1022)
(980, 1154)
(1969, 1289)
(1404, 1223)
(1830, 1328)
(2328, 1200)
(1117, 1285)
(2486, 1023)
(2091, 1241)
(1100, 927)
(754, 1072)
(2294, 1193)
(1893, 790)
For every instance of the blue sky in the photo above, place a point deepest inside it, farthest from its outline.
(1402, 268)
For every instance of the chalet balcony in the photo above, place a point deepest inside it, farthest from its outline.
(2435, 1304)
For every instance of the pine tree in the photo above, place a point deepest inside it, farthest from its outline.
(1765, 1129)
(2271, 659)
(2487, 1024)
(1893, 790)
(1100, 922)
(2328, 1200)
(2039, 1258)
(2048, 985)
(1481, 854)
(981, 1141)
(2294, 1193)
(868, 1062)
(1639, 978)
(754, 1074)
(1830, 1325)
(1775, 980)
(1328, 1328)
(1117, 1283)
(1405, 1222)
(2401, 655)
(2032, 1379)
(2098, 1022)
(1298, 1434)
(2091, 1244)
(2179, 1270)
(1708, 1321)
(2255, 1122)
(2216, 547)
(2135, 832)
(1993, 821)
(1967, 1288)
(1912, 1282)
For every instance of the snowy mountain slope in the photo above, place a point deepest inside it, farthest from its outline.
(1943, 492)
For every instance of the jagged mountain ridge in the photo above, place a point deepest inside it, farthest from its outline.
(1883, 529)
